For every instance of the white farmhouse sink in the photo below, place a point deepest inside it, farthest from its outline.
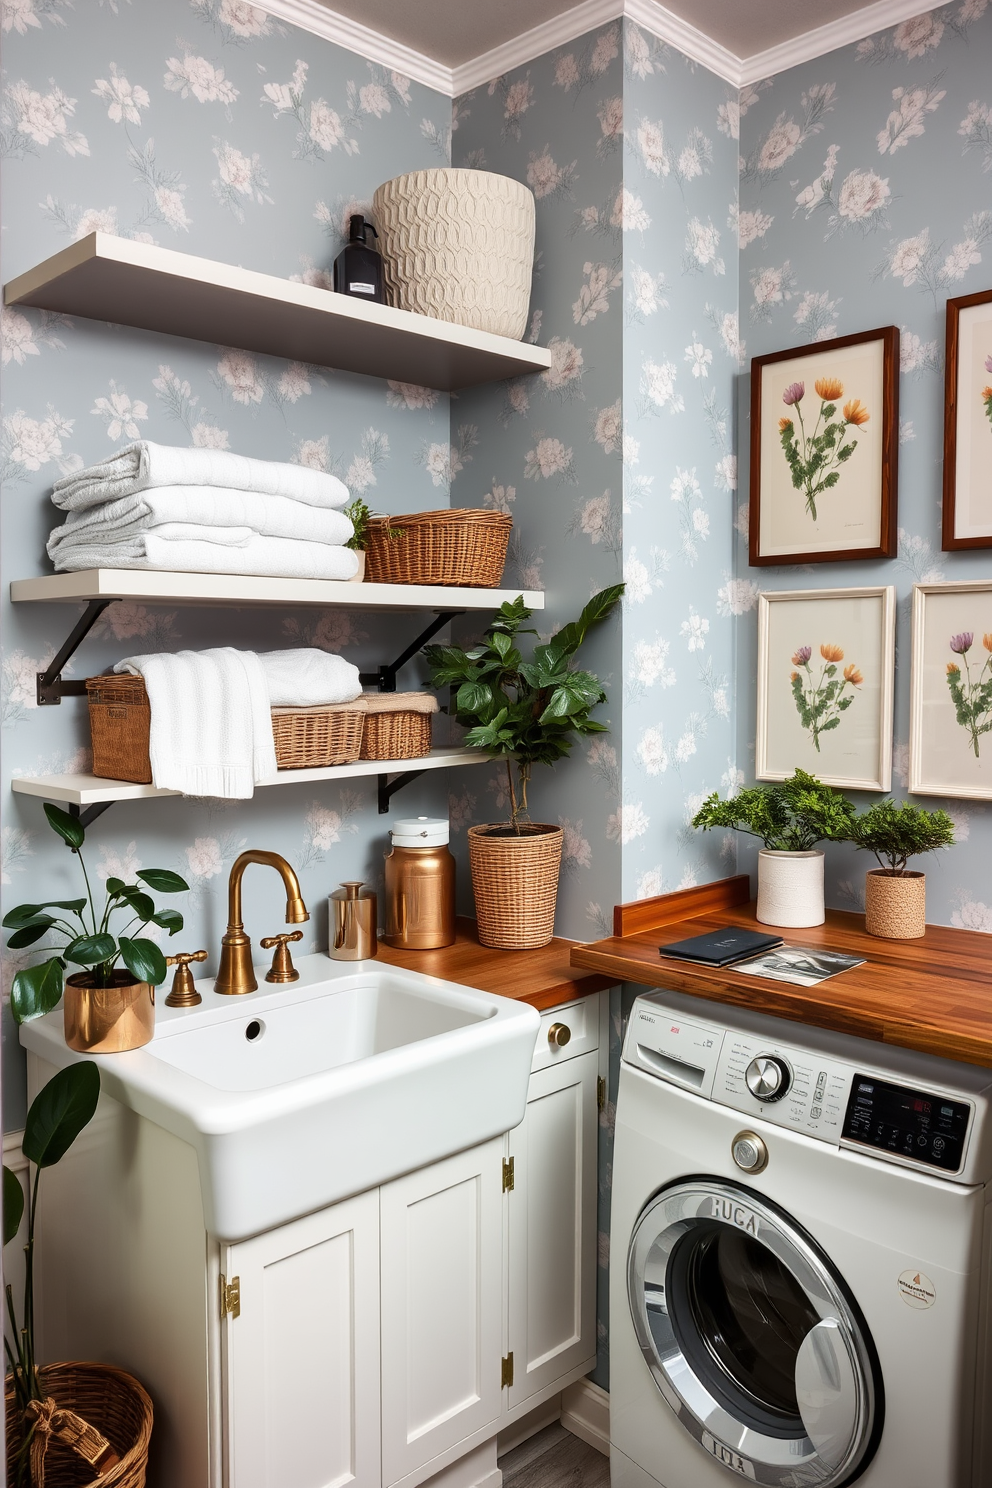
(297, 1096)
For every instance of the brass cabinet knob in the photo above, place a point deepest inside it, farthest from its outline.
(282, 968)
(184, 993)
(559, 1035)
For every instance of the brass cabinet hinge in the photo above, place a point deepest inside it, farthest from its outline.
(507, 1174)
(601, 1092)
(506, 1372)
(230, 1296)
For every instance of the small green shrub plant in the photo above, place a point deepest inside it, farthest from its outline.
(896, 831)
(790, 816)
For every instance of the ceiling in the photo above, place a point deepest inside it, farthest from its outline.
(454, 32)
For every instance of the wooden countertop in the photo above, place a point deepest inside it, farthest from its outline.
(544, 978)
(932, 994)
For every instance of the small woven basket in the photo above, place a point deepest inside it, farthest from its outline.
(515, 883)
(441, 547)
(107, 1399)
(120, 721)
(309, 738)
(398, 725)
(895, 904)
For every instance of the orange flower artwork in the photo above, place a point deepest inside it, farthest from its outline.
(821, 701)
(856, 413)
(817, 454)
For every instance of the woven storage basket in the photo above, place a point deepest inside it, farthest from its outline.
(515, 883)
(308, 738)
(453, 546)
(895, 904)
(120, 720)
(107, 1399)
(398, 725)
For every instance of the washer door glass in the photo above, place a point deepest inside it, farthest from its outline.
(751, 1338)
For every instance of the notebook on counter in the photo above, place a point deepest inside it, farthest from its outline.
(721, 947)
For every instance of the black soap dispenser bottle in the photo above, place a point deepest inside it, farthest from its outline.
(358, 267)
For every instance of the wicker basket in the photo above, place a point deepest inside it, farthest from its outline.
(398, 725)
(895, 904)
(441, 547)
(515, 883)
(309, 738)
(120, 720)
(110, 1401)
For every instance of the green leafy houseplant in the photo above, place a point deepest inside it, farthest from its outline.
(358, 513)
(84, 932)
(897, 831)
(528, 711)
(790, 816)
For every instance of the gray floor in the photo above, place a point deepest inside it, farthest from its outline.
(554, 1458)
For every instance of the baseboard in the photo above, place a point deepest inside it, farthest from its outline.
(529, 1425)
(585, 1412)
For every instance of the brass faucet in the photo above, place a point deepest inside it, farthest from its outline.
(236, 974)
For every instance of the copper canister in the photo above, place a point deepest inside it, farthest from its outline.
(352, 923)
(420, 886)
(108, 1020)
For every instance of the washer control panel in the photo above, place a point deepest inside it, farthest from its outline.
(910, 1123)
(788, 1086)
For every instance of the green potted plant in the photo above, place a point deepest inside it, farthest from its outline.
(789, 818)
(110, 1003)
(529, 712)
(895, 895)
(359, 514)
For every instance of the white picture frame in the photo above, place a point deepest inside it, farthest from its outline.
(826, 676)
(948, 756)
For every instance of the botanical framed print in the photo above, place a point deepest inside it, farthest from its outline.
(950, 720)
(825, 450)
(967, 518)
(826, 668)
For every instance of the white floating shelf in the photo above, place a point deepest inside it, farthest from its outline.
(156, 586)
(91, 790)
(103, 277)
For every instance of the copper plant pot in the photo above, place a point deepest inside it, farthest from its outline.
(108, 1020)
(895, 904)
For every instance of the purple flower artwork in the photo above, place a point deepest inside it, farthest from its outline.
(971, 692)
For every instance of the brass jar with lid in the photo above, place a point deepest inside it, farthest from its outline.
(420, 886)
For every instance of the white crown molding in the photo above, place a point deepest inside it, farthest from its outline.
(311, 16)
(693, 43)
(529, 45)
(842, 32)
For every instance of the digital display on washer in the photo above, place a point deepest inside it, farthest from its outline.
(911, 1123)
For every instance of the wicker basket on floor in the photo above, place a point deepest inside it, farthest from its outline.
(440, 547)
(120, 721)
(397, 725)
(107, 1399)
(310, 738)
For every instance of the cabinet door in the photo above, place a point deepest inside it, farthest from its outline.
(442, 1306)
(301, 1361)
(552, 1228)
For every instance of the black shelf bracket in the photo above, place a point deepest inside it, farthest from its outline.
(388, 788)
(50, 687)
(87, 815)
(385, 677)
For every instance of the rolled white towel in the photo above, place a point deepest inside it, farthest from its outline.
(141, 466)
(272, 557)
(308, 677)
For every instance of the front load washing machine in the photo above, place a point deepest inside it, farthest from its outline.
(800, 1255)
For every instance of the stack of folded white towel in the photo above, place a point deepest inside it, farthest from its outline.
(211, 724)
(203, 511)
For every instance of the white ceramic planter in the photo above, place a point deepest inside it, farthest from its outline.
(790, 888)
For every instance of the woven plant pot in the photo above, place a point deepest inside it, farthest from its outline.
(458, 245)
(515, 883)
(106, 1399)
(895, 904)
(790, 889)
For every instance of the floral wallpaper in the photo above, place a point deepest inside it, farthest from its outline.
(865, 201)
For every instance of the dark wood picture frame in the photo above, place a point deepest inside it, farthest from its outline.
(949, 541)
(888, 513)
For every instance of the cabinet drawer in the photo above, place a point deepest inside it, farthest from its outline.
(582, 1021)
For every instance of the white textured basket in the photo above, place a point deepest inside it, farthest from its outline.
(790, 888)
(458, 245)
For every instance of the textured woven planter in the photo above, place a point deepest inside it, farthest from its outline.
(895, 904)
(458, 245)
(515, 883)
(107, 1400)
(790, 888)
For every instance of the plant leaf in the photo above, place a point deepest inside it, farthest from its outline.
(142, 904)
(75, 905)
(13, 1205)
(143, 960)
(36, 990)
(163, 880)
(21, 915)
(59, 1112)
(90, 950)
(67, 826)
(168, 919)
(29, 933)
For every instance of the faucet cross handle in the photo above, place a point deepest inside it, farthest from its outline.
(184, 993)
(282, 969)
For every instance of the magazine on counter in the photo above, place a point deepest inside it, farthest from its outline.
(804, 965)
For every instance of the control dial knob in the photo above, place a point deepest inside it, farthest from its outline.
(768, 1077)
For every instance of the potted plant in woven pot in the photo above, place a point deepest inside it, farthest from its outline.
(109, 1003)
(530, 712)
(77, 1423)
(789, 818)
(895, 895)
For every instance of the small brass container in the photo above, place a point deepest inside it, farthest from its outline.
(108, 1020)
(353, 917)
(420, 886)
